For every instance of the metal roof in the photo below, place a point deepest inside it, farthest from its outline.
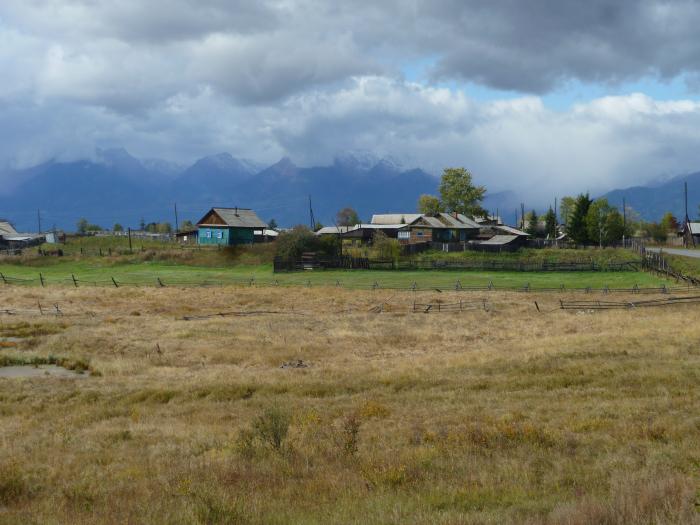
(333, 230)
(7, 229)
(694, 228)
(395, 218)
(509, 230)
(238, 217)
(461, 222)
(500, 240)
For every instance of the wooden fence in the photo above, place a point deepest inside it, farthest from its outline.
(357, 263)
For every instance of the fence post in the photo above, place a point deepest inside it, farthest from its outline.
(160, 283)
(75, 281)
(41, 311)
(41, 278)
(115, 283)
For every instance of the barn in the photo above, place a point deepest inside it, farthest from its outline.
(228, 227)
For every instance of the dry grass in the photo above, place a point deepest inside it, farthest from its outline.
(493, 416)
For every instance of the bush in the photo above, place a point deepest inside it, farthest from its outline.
(272, 427)
(290, 245)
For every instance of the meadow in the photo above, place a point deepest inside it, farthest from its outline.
(162, 263)
(313, 405)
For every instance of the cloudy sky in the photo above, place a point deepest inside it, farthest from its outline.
(563, 93)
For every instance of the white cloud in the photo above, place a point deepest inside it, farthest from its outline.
(312, 78)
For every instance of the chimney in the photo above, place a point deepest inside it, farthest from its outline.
(236, 211)
(455, 213)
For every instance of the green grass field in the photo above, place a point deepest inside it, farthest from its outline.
(101, 271)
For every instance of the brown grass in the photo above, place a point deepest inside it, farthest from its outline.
(493, 416)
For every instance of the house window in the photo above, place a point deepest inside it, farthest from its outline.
(419, 233)
(404, 235)
(219, 234)
(184, 238)
(207, 234)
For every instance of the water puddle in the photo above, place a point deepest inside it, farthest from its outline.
(39, 371)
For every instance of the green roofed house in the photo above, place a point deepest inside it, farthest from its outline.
(228, 226)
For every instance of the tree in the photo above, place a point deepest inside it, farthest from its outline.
(614, 226)
(347, 217)
(291, 244)
(187, 226)
(429, 205)
(670, 222)
(164, 227)
(656, 231)
(596, 218)
(118, 228)
(550, 224)
(82, 225)
(566, 208)
(532, 221)
(272, 224)
(576, 227)
(459, 193)
(142, 225)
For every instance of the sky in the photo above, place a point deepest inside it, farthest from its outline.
(561, 95)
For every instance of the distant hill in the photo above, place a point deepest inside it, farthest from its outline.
(117, 187)
(655, 199)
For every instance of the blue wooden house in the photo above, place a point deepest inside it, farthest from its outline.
(228, 227)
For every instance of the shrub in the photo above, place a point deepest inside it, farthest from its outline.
(350, 431)
(272, 427)
(290, 245)
(13, 486)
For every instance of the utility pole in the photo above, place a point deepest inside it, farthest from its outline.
(312, 221)
(129, 230)
(522, 215)
(686, 201)
(624, 221)
(38, 218)
(177, 226)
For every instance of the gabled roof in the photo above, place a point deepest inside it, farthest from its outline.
(235, 217)
(395, 218)
(333, 230)
(461, 221)
(694, 228)
(499, 240)
(7, 229)
(510, 230)
(441, 220)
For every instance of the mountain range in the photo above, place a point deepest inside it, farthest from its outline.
(116, 187)
(655, 199)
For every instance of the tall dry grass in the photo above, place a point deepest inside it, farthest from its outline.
(505, 415)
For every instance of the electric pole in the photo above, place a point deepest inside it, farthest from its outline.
(624, 221)
(38, 218)
(312, 221)
(177, 226)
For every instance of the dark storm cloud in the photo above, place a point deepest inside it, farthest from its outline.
(533, 46)
(312, 78)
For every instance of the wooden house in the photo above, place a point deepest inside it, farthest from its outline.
(417, 228)
(228, 227)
